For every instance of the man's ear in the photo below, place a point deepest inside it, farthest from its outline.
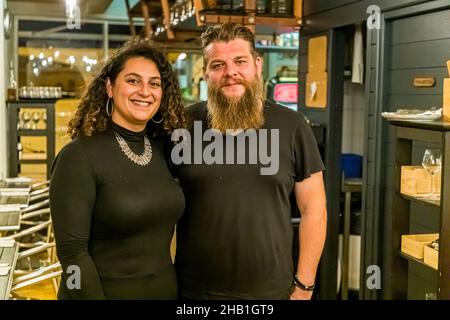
(259, 64)
(109, 88)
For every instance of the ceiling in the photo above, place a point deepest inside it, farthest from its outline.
(104, 9)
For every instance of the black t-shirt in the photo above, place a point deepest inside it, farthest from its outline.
(234, 239)
(114, 219)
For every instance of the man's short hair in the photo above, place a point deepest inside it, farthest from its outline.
(227, 32)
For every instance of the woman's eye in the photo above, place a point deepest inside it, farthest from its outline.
(155, 84)
(132, 81)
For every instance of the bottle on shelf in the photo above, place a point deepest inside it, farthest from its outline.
(261, 7)
(285, 7)
(273, 7)
(280, 7)
(12, 87)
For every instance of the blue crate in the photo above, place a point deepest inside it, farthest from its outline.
(351, 165)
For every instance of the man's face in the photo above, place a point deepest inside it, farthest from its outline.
(230, 66)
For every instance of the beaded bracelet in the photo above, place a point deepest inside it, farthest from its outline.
(302, 286)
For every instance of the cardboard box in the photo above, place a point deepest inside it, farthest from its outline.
(446, 85)
(446, 99)
(431, 257)
(414, 244)
(416, 181)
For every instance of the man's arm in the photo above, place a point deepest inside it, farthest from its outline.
(311, 201)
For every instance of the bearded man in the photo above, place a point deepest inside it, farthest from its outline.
(234, 240)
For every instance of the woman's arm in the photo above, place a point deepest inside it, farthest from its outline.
(72, 200)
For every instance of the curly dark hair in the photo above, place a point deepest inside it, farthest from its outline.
(91, 118)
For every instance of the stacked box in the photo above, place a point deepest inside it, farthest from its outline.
(446, 99)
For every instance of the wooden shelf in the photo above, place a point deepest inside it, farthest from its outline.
(407, 133)
(33, 156)
(275, 48)
(278, 24)
(415, 260)
(435, 203)
(36, 133)
(155, 10)
(14, 135)
(32, 161)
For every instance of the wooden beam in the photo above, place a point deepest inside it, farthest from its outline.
(216, 19)
(147, 26)
(166, 18)
(181, 36)
(250, 10)
(130, 19)
(276, 21)
(298, 10)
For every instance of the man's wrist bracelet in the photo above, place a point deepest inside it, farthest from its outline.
(302, 286)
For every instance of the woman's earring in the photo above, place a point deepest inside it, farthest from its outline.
(159, 120)
(107, 108)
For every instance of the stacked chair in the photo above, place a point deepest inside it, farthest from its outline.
(37, 259)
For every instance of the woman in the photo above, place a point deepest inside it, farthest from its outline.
(113, 200)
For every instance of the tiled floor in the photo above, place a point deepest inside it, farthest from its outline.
(40, 291)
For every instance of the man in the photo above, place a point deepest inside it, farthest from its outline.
(234, 240)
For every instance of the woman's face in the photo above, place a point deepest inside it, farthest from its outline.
(136, 93)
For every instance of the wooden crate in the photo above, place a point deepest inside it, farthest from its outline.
(413, 244)
(431, 257)
(416, 181)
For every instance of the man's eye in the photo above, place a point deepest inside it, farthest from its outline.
(216, 66)
(240, 62)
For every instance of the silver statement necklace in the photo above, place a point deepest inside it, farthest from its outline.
(142, 159)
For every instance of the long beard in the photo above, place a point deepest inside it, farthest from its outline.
(244, 112)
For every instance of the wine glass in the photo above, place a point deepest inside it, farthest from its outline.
(432, 162)
(35, 117)
(26, 117)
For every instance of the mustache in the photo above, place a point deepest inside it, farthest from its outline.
(227, 82)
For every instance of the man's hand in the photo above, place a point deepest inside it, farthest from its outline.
(299, 294)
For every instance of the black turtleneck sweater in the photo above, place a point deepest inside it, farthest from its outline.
(114, 219)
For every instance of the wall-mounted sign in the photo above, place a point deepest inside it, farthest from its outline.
(424, 82)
